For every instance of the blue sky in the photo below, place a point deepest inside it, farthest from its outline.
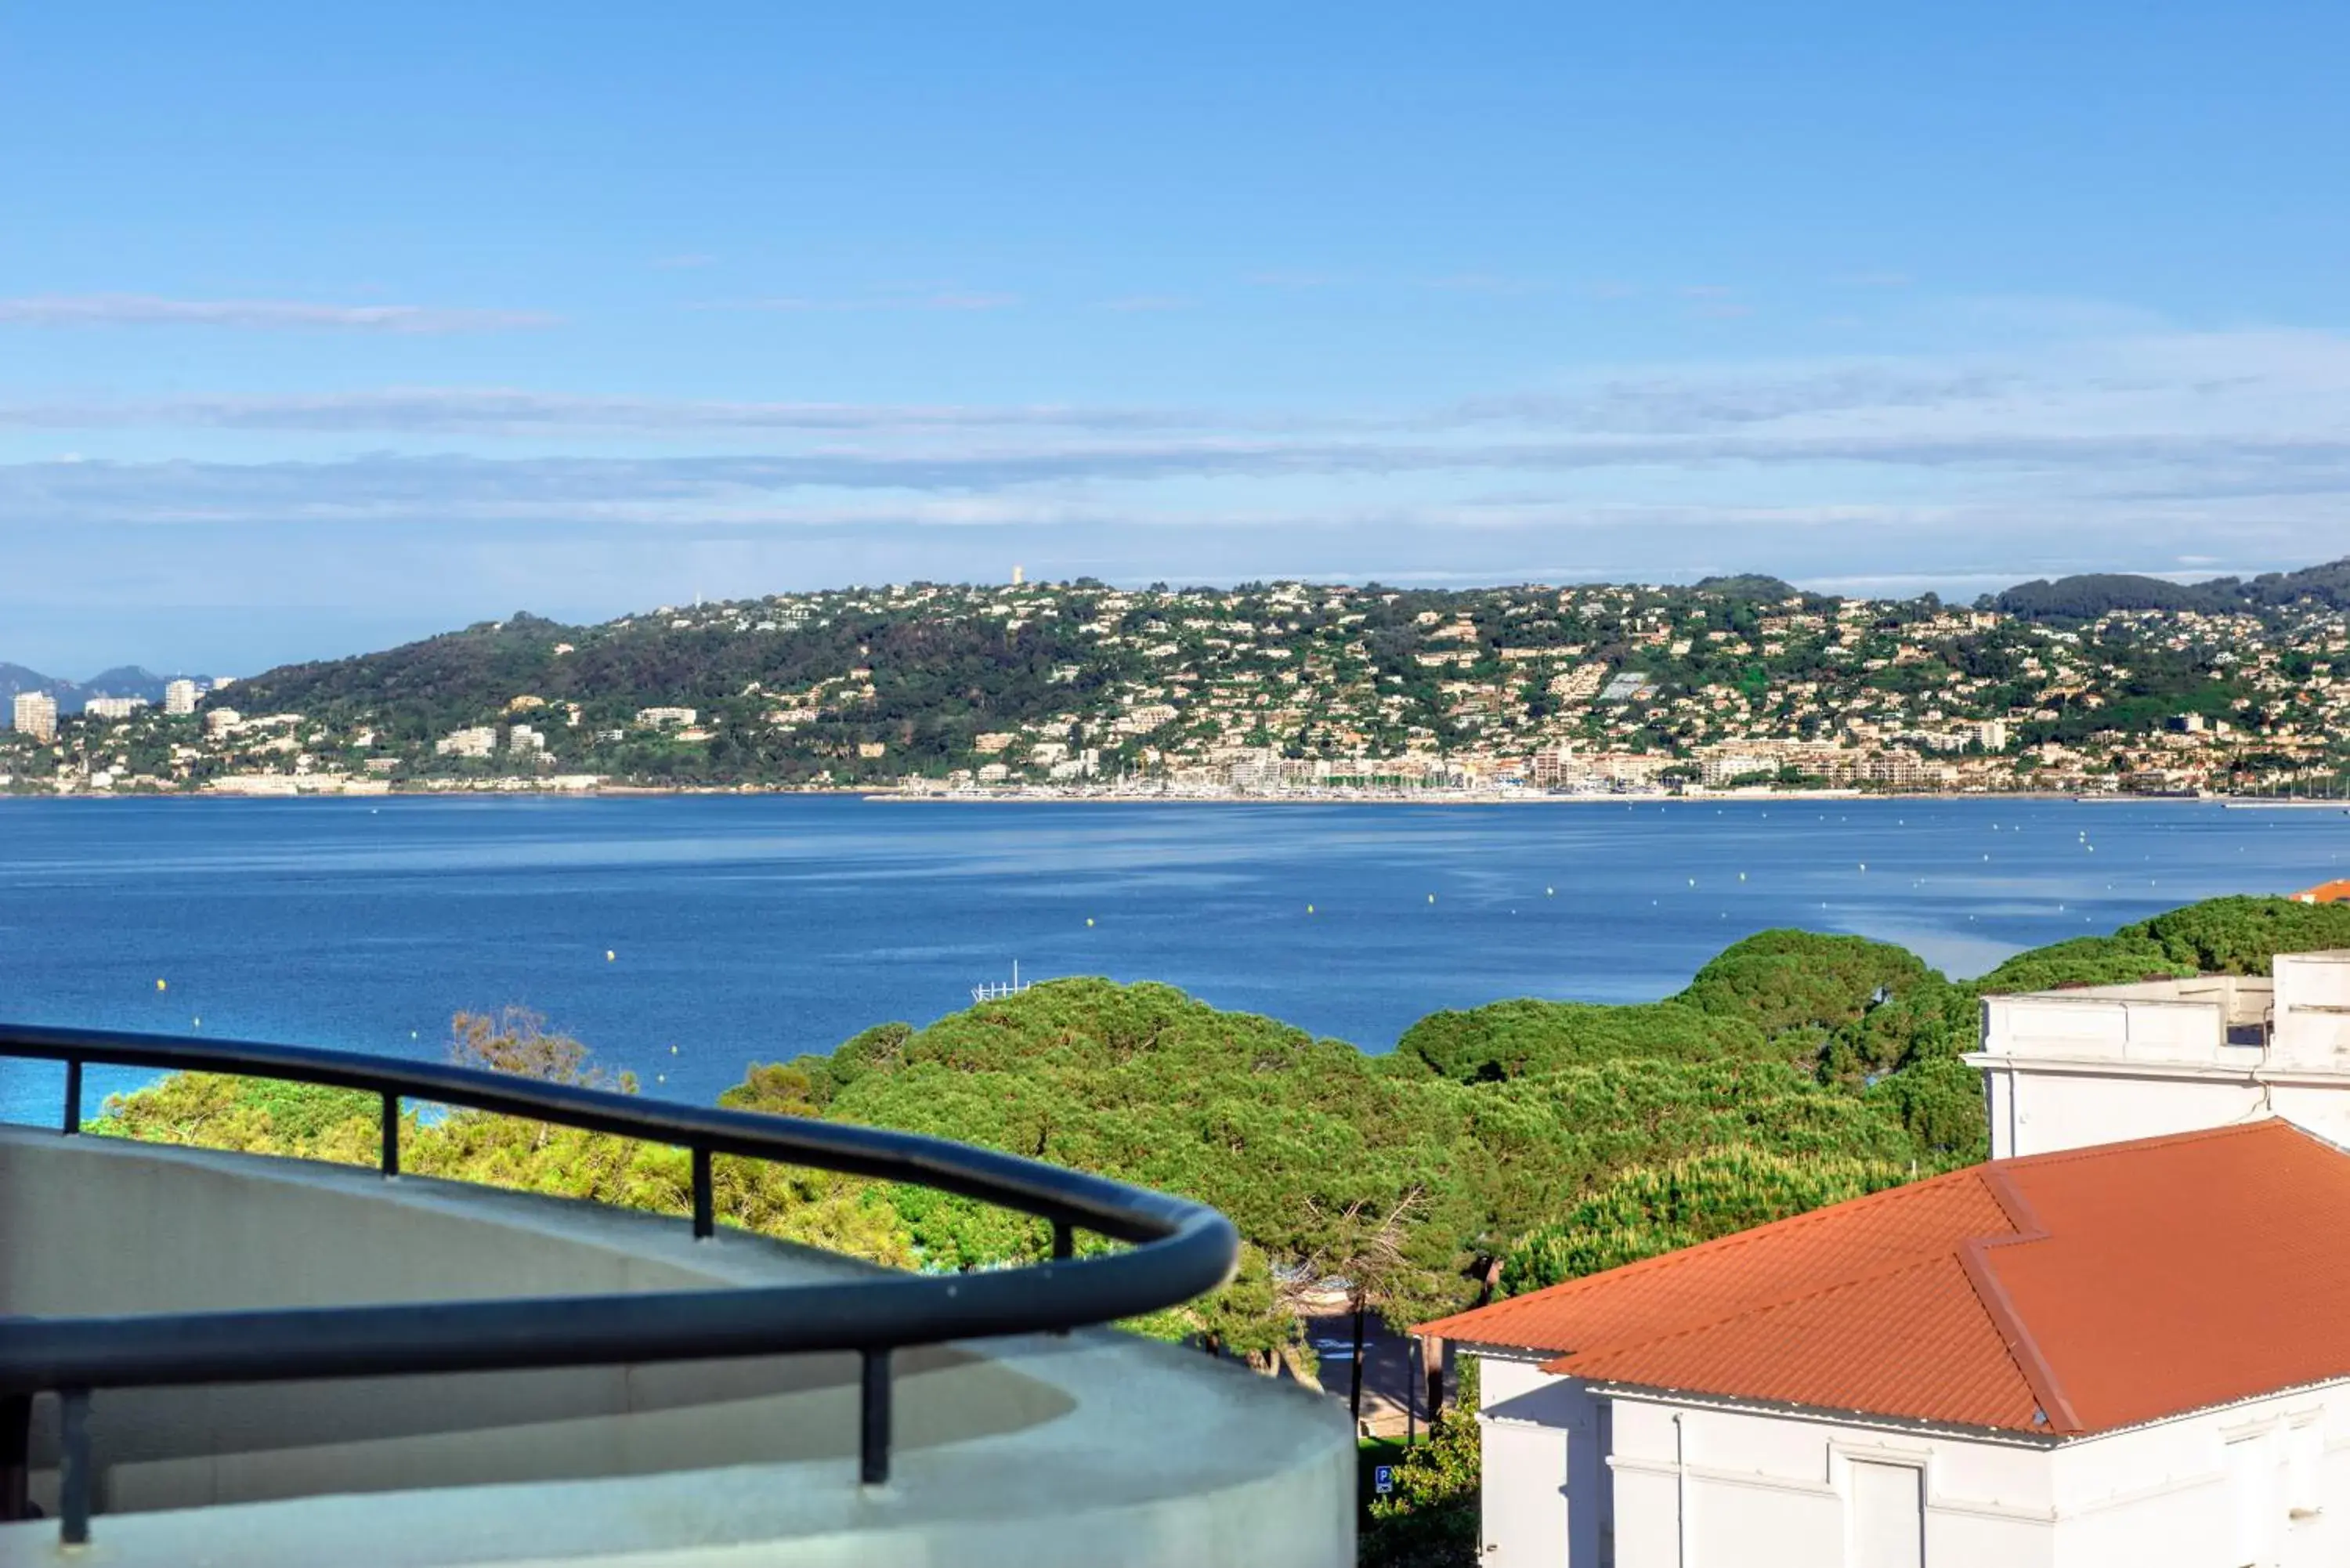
(325, 326)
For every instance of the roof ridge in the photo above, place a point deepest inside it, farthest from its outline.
(1736, 1237)
(2015, 1334)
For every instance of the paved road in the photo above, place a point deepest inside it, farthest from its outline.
(1387, 1368)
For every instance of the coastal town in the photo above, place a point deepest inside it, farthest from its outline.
(1302, 690)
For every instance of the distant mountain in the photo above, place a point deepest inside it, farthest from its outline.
(16, 677)
(1749, 585)
(2094, 594)
(122, 681)
(128, 680)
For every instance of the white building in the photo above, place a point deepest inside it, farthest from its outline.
(479, 741)
(113, 707)
(523, 738)
(179, 697)
(2085, 1352)
(2065, 1069)
(2130, 1354)
(35, 713)
(222, 721)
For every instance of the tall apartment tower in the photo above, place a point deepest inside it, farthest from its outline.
(179, 697)
(36, 715)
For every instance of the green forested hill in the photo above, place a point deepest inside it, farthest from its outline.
(2091, 594)
(929, 681)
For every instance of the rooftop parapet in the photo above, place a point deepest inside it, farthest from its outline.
(2068, 1068)
(2300, 1019)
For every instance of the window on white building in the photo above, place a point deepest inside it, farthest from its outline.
(2305, 1465)
(1889, 1516)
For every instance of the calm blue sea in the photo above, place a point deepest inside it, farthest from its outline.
(748, 929)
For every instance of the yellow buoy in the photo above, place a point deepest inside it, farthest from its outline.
(1431, 897)
(1309, 909)
(672, 1049)
(160, 986)
(610, 955)
(1089, 920)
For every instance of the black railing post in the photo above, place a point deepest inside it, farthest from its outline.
(73, 1469)
(73, 1096)
(705, 1200)
(873, 1443)
(1411, 1397)
(15, 1456)
(391, 1131)
(1064, 1247)
(1355, 1377)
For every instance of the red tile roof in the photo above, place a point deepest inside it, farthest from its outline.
(2063, 1294)
(2335, 892)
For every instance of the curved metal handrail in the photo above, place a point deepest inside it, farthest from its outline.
(1181, 1248)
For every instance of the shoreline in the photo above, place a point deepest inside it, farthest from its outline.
(1023, 797)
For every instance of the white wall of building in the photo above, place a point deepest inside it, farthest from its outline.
(2068, 1069)
(1581, 1478)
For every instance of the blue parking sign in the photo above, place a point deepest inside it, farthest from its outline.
(1383, 1479)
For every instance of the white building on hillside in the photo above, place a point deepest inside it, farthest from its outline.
(475, 741)
(35, 714)
(2086, 1352)
(2065, 1069)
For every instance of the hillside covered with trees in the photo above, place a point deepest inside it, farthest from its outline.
(2090, 682)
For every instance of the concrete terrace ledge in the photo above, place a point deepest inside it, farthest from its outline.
(1093, 1449)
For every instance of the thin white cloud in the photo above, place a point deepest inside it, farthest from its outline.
(257, 315)
(513, 411)
(2072, 455)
